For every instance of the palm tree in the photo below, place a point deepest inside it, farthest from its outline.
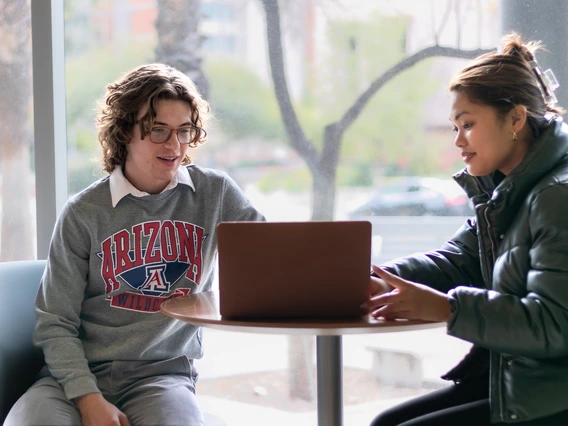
(179, 42)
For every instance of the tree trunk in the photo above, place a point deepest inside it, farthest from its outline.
(179, 41)
(324, 187)
(301, 368)
(16, 241)
(323, 193)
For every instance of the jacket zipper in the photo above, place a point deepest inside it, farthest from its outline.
(488, 224)
(488, 275)
(501, 387)
(486, 271)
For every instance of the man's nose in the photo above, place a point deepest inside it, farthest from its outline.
(173, 139)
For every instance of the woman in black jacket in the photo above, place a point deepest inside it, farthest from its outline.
(501, 282)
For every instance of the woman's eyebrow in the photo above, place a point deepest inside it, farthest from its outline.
(459, 114)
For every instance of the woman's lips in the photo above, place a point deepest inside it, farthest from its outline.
(467, 156)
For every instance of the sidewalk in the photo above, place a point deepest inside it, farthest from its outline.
(239, 414)
(245, 355)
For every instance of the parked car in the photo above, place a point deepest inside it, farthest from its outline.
(416, 196)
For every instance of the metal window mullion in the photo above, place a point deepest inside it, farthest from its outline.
(50, 138)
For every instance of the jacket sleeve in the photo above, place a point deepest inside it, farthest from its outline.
(58, 307)
(456, 263)
(534, 324)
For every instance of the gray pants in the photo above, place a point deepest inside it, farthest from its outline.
(149, 393)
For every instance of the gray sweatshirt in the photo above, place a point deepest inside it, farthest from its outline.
(109, 269)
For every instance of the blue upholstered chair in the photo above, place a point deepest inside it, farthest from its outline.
(20, 361)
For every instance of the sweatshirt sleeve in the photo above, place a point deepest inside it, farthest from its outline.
(58, 306)
(235, 204)
(532, 324)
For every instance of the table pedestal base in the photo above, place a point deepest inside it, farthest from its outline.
(202, 309)
(329, 378)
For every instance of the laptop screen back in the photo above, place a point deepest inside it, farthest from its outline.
(293, 269)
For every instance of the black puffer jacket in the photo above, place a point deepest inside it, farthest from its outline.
(510, 263)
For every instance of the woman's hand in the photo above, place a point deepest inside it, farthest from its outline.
(409, 300)
(378, 285)
(97, 411)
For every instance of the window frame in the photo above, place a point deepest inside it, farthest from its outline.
(50, 132)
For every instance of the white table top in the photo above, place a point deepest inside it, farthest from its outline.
(203, 309)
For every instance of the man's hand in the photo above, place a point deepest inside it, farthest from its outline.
(97, 411)
(409, 300)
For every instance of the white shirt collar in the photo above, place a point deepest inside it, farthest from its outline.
(120, 187)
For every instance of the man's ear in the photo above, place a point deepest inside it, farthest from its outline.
(518, 117)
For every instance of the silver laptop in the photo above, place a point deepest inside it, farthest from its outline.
(293, 269)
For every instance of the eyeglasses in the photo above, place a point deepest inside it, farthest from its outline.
(184, 134)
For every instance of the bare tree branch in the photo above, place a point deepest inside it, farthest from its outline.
(479, 22)
(443, 23)
(353, 112)
(294, 131)
(458, 20)
(324, 165)
(292, 125)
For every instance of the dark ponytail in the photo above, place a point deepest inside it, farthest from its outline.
(505, 79)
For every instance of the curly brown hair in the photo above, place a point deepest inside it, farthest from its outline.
(505, 79)
(140, 89)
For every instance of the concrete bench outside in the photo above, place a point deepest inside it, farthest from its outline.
(397, 367)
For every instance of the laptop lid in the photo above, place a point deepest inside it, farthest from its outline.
(293, 269)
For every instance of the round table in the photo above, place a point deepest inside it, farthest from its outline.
(202, 309)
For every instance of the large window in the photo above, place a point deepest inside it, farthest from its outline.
(395, 155)
(17, 185)
(333, 52)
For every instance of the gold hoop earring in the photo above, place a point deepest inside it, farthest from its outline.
(514, 136)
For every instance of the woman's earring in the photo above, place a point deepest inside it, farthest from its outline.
(514, 136)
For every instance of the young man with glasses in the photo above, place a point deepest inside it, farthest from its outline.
(138, 237)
